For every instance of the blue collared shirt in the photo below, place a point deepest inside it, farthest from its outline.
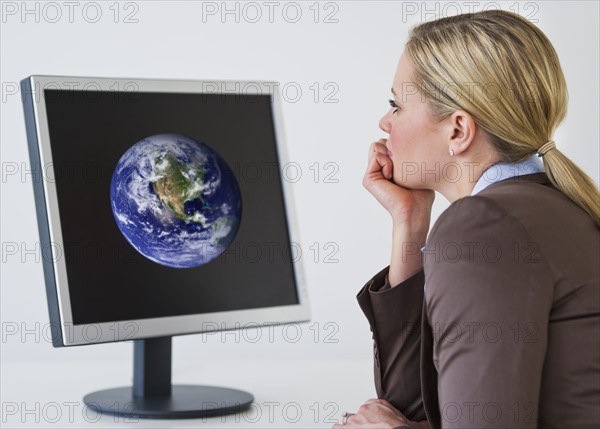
(506, 170)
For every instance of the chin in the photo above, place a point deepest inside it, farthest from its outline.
(409, 184)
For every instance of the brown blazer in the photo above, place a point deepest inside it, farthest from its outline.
(501, 328)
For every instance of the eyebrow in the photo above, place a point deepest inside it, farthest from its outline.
(396, 95)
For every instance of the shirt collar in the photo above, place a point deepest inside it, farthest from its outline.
(505, 170)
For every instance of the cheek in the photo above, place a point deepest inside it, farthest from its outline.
(402, 137)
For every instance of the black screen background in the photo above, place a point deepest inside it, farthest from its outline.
(108, 279)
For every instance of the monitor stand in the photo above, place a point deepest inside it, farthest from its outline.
(152, 395)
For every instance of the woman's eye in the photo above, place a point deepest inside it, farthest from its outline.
(394, 105)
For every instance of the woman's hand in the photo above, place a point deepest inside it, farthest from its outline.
(406, 206)
(379, 414)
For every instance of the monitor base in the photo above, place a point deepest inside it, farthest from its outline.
(185, 401)
(152, 395)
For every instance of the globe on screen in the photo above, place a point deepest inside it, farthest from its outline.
(175, 200)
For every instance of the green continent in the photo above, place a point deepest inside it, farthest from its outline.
(178, 183)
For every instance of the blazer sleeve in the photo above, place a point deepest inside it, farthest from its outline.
(394, 315)
(488, 298)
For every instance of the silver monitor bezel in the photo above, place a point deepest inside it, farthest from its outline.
(163, 326)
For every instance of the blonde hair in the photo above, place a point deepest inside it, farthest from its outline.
(503, 70)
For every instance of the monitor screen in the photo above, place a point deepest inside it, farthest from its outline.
(165, 205)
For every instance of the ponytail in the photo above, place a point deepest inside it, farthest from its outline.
(573, 182)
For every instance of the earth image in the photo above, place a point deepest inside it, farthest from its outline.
(175, 200)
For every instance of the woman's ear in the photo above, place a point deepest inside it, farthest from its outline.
(462, 128)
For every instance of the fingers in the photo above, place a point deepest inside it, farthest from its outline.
(348, 424)
(378, 147)
(382, 402)
(373, 413)
(370, 403)
(380, 162)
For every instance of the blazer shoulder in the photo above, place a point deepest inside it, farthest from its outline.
(480, 252)
(473, 215)
(530, 201)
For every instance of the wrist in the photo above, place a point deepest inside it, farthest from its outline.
(414, 228)
(407, 258)
(408, 239)
(417, 219)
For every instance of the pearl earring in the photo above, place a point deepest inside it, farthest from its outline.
(451, 152)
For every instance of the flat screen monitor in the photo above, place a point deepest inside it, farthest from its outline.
(163, 210)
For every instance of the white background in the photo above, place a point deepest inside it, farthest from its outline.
(356, 54)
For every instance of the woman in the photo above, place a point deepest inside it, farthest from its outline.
(493, 319)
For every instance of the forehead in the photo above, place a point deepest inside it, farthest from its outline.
(404, 67)
(403, 85)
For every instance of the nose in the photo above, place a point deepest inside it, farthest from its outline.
(385, 123)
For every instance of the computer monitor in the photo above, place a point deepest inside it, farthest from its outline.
(162, 211)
